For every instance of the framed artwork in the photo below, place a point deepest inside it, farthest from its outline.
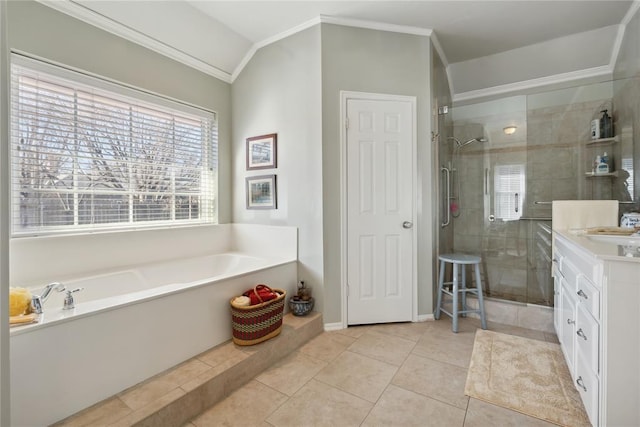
(261, 192)
(262, 152)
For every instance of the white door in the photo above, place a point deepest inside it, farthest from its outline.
(380, 206)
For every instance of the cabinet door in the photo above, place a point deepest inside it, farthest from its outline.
(568, 327)
(557, 301)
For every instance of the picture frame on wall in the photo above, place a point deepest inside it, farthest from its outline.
(262, 152)
(261, 192)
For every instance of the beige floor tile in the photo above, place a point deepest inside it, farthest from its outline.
(400, 407)
(222, 353)
(290, 374)
(104, 413)
(446, 346)
(431, 378)
(359, 375)
(383, 347)
(482, 414)
(550, 337)
(355, 331)
(327, 346)
(318, 404)
(151, 408)
(517, 331)
(247, 406)
(407, 330)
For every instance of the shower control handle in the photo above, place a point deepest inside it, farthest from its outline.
(407, 224)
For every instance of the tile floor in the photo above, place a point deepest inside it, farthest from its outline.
(381, 375)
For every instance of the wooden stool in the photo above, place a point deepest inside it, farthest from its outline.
(460, 260)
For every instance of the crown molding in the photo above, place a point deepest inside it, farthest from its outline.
(325, 19)
(374, 25)
(98, 20)
(247, 57)
(535, 83)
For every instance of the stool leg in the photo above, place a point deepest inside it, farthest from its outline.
(463, 287)
(436, 315)
(454, 309)
(483, 318)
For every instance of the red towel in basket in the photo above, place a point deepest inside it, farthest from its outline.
(260, 293)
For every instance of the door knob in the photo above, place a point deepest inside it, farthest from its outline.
(407, 224)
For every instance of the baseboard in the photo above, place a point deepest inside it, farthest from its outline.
(425, 317)
(333, 326)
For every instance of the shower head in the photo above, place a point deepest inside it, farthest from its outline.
(462, 144)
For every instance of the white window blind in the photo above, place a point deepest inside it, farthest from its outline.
(87, 158)
(509, 187)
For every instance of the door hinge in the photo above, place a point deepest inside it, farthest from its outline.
(347, 290)
(443, 110)
(346, 123)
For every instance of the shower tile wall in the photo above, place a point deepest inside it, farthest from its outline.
(550, 144)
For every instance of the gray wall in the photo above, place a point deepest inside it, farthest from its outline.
(43, 32)
(355, 59)
(279, 92)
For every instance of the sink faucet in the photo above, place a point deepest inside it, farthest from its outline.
(38, 300)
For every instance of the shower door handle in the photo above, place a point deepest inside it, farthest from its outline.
(516, 202)
(447, 173)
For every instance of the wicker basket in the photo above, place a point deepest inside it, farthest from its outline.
(257, 323)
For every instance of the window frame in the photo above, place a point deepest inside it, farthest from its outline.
(134, 98)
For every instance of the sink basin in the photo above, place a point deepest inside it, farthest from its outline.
(615, 240)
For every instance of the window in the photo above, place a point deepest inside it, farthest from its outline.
(89, 155)
(509, 191)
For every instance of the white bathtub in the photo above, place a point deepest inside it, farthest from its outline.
(128, 325)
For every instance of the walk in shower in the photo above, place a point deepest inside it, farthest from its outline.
(503, 161)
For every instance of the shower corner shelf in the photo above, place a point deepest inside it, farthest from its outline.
(594, 175)
(602, 141)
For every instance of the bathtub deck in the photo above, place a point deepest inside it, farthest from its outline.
(177, 395)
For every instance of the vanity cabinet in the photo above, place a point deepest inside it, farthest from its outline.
(597, 322)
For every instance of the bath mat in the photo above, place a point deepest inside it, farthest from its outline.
(524, 375)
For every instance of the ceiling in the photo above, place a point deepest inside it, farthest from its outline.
(222, 33)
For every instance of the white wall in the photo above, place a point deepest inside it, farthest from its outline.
(279, 92)
(628, 60)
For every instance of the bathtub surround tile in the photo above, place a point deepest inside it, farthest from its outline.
(536, 317)
(383, 347)
(104, 413)
(431, 378)
(401, 407)
(247, 406)
(223, 353)
(359, 375)
(290, 374)
(320, 404)
(150, 409)
(176, 396)
(327, 346)
(139, 396)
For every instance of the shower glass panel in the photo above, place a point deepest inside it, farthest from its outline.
(535, 148)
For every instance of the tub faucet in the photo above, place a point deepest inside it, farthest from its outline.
(38, 300)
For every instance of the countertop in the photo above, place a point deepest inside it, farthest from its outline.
(603, 250)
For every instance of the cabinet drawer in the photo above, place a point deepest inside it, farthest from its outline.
(587, 384)
(587, 338)
(569, 272)
(588, 295)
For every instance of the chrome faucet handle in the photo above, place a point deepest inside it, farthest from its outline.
(69, 303)
(38, 300)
